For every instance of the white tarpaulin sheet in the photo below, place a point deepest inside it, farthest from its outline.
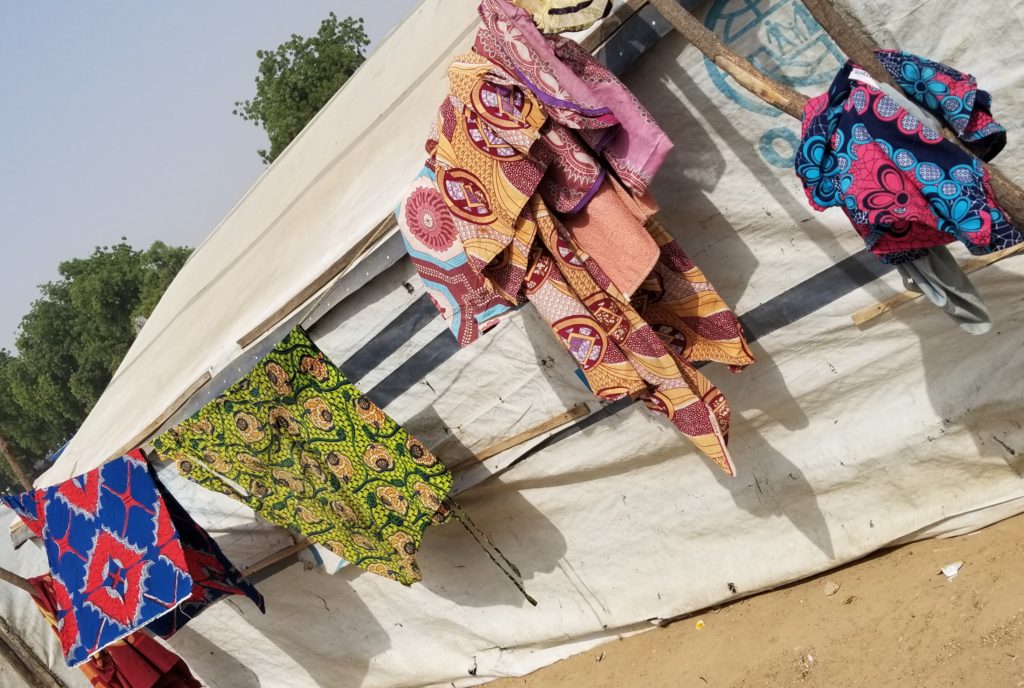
(846, 440)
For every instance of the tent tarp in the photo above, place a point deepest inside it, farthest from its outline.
(846, 440)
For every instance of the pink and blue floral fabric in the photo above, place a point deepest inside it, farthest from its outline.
(902, 185)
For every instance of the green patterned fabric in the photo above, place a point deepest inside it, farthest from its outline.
(306, 450)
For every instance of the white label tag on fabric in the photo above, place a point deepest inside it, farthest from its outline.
(860, 75)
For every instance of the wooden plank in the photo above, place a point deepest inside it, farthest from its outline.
(178, 402)
(319, 282)
(548, 425)
(276, 558)
(866, 315)
(15, 580)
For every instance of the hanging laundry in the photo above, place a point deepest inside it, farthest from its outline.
(136, 661)
(115, 556)
(940, 279)
(904, 187)
(486, 129)
(612, 231)
(467, 299)
(577, 91)
(213, 575)
(306, 450)
(560, 16)
(621, 353)
(495, 199)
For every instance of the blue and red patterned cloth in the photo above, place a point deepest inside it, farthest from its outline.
(902, 185)
(123, 555)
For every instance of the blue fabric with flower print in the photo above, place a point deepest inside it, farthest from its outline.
(904, 187)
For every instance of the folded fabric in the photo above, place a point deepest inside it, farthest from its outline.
(468, 301)
(486, 129)
(951, 96)
(620, 353)
(577, 91)
(557, 16)
(611, 233)
(136, 661)
(306, 450)
(213, 575)
(941, 280)
(114, 552)
(505, 244)
(904, 188)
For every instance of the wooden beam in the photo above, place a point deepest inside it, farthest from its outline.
(336, 269)
(178, 402)
(16, 580)
(854, 40)
(20, 657)
(548, 425)
(15, 464)
(749, 77)
(866, 315)
(276, 557)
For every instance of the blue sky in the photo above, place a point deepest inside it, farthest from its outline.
(117, 122)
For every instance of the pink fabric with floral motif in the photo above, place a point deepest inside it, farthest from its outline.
(577, 91)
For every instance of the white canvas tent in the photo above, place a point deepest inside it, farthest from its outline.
(846, 440)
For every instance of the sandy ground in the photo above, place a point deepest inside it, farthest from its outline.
(894, 621)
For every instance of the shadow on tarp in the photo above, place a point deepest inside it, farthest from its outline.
(961, 391)
(217, 668)
(456, 568)
(787, 195)
(695, 167)
(769, 485)
(308, 613)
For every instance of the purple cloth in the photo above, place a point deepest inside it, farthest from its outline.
(577, 91)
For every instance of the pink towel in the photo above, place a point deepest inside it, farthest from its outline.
(610, 229)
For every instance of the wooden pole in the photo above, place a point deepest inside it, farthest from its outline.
(866, 315)
(20, 657)
(15, 464)
(749, 77)
(16, 652)
(854, 40)
(16, 580)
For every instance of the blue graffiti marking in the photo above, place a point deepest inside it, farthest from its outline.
(769, 146)
(780, 38)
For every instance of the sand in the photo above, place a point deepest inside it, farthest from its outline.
(895, 620)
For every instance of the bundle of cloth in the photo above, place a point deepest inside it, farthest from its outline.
(536, 189)
(125, 562)
(878, 154)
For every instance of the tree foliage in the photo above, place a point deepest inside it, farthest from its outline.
(73, 339)
(298, 79)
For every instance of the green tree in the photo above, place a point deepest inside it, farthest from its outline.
(298, 79)
(73, 339)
